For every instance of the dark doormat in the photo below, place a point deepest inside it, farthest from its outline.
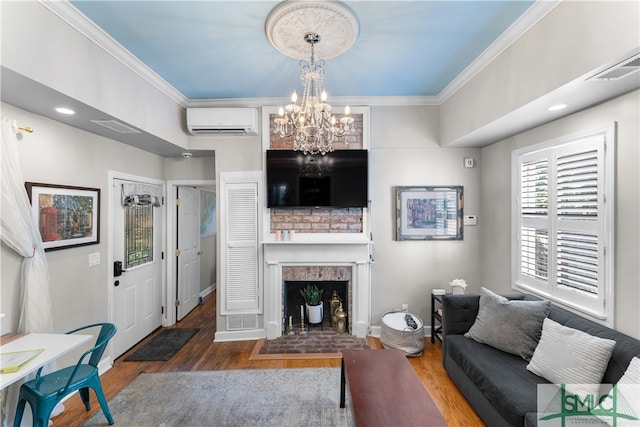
(164, 345)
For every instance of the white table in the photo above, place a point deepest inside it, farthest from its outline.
(55, 345)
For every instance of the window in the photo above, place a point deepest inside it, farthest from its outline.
(563, 221)
(138, 231)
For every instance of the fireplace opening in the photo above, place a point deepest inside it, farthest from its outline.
(293, 301)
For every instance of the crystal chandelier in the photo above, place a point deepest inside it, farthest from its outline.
(310, 123)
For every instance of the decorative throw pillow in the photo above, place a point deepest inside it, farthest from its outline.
(511, 326)
(571, 357)
(627, 399)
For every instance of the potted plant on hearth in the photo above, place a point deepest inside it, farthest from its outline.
(313, 300)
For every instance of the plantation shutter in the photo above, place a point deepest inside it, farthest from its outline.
(578, 236)
(240, 287)
(563, 220)
(534, 211)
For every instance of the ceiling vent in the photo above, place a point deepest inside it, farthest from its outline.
(115, 126)
(620, 70)
(222, 121)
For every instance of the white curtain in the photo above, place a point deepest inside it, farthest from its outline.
(19, 232)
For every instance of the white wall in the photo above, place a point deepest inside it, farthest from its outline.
(404, 151)
(575, 38)
(45, 48)
(496, 201)
(194, 168)
(60, 154)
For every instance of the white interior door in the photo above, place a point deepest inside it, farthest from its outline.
(188, 255)
(137, 245)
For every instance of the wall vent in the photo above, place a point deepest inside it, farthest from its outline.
(620, 70)
(115, 126)
(239, 322)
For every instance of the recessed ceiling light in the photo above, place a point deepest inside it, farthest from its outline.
(65, 110)
(557, 107)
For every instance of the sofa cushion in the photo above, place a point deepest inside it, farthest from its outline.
(500, 376)
(628, 398)
(511, 326)
(572, 357)
(626, 347)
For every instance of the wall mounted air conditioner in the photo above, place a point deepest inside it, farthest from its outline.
(222, 121)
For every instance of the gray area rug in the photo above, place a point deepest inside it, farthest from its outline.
(251, 397)
(164, 345)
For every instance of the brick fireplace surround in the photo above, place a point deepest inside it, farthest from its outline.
(328, 243)
(318, 258)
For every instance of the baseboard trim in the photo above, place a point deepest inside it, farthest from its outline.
(253, 334)
(104, 365)
(208, 290)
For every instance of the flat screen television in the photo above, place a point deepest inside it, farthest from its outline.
(338, 179)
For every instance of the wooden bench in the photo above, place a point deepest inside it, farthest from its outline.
(385, 390)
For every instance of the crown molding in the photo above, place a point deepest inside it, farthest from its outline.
(72, 16)
(524, 23)
(370, 101)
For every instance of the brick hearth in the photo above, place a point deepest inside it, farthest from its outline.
(314, 342)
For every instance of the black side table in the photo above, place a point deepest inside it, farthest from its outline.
(436, 318)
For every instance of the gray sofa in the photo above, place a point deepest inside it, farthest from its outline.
(497, 384)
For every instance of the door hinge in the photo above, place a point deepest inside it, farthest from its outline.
(178, 252)
(178, 303)
(162, 309)
(177, 202)
(162, 254)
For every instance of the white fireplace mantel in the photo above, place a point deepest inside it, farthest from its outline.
(353, 252)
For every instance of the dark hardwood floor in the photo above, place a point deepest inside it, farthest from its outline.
(202, 354)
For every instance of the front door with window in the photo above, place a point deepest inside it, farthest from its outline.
(137, 245)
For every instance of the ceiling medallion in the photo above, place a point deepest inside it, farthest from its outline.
(290, 21)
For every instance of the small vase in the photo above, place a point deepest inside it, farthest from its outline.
(314, 313)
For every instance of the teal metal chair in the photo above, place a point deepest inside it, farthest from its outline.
(45, 391)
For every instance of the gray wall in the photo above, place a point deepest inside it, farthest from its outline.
(208, 264)
(405, 151)
(570, 42)
(496, 202)
(60, 154)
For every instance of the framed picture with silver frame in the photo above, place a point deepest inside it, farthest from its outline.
(429, 212)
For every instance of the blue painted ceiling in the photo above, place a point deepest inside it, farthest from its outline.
(219, 49)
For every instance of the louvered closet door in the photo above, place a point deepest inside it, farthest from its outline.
(240, 284)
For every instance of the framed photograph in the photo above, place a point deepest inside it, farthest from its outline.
(66, 216)
(207, 213)
(429, 213)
